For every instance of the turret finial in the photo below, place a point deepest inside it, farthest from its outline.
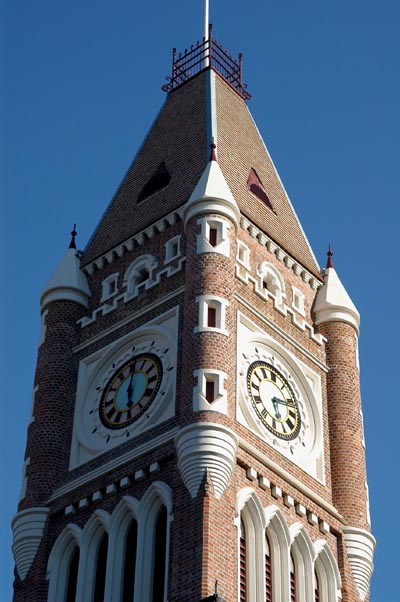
(72, 244)
(213, 146)
(330, 262)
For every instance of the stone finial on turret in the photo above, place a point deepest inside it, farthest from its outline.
(332, 302)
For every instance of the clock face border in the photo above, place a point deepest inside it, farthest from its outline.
(115, 414)
(90, 437)
(280, 416)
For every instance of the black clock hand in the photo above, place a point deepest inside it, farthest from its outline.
(130, 388)
(275, 401)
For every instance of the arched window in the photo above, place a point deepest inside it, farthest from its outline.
(160, 548)
(268, 572)
(101, 566)
(139, 275)
(130, 563)
(327, 573)
(72, 578)
(242, 564)
(272, 282)
(302, 565)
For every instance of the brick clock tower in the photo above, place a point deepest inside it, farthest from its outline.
(196, 431)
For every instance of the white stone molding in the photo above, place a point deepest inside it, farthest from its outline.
(360, 546)
(249, 510)
(59, 561)
(109, 287)
(124, 297)
(200, 403)
(137, 240)
(43, 326)
(303, 553)
(158, 495)
(206, 446)
(327, 571)
(219, 304)
(172, 249)
(68, 283)
(243, 254)
(27, 526)
(222, 245)
(279, 539)
(119, 524)
(95, 528)
(333, 303)
(271, 282)
(280, 253)
(24, 483)
(298, 300)
(132, 278)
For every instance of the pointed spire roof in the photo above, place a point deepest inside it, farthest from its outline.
(332, 302)
(203, 107)
(68, 282)
(212, 193)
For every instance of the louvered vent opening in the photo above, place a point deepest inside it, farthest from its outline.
(242, 570)
(254, 184)
(157, 182)
(268, 579)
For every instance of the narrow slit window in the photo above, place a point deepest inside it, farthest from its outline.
(268, 573)
(292, 581)
(210, 393)
(160, 553)
(130, 563)
(213, 236)
(100, 580)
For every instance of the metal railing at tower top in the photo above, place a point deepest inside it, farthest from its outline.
(204, 55)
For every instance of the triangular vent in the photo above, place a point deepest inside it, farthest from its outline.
(159, 180)
(255, 186)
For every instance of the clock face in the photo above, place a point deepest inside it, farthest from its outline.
(130, 391)
(273, 400)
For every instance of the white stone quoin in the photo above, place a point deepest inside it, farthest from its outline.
(28, 527)
(360, 546)
(206, 446)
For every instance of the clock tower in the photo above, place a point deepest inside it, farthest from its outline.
(196, 431)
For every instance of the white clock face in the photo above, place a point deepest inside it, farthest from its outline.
(277, 404)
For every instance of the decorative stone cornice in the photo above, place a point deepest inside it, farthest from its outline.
(28, 526)
(279, 253)
(202, 447)
(360, 546)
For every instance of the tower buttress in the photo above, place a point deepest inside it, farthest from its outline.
(338, 320)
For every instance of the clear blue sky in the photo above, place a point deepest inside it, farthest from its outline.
(81, 88)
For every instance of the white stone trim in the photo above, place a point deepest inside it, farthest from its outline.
(280, 253)
(360, 546)
(109, 287)
(43, 326)
(202, 241)
(28, 527)
(243, 254)
(327, 571)
(200, 403)
(220, 304)
(138, 239)
(172, 249)
(22, 492)
(206, 446)
(302, 552)
(298, 300)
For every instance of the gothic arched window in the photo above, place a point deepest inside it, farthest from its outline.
(72, 578)
(160, 549)
(139, 275)
(130, 562)
(101, 565)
